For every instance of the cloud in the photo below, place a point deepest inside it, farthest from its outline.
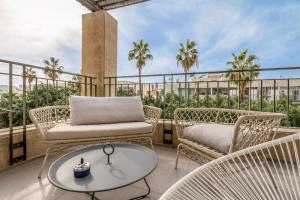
(33, 30)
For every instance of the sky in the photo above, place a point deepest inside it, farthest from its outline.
(33, 30)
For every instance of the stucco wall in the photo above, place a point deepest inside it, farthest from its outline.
(99, 47)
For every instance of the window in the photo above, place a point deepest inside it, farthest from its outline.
(295, 94)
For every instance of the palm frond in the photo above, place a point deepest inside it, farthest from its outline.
(188, 55)
(141, 53)
(242, 62)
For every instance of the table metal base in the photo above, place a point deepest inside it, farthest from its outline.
(93, 197)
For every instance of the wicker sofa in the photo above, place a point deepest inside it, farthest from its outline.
(205, 134)
(97, 120)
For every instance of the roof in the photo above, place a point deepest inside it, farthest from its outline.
(95, 5)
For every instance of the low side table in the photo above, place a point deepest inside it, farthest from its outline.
(130, 163)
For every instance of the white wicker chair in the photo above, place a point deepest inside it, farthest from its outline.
(45, 118)
(267, 171)
(250, 128)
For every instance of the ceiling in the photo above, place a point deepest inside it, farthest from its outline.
(95, 5)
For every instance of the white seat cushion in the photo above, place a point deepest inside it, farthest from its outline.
(216, 136)
(105, 110)
(66, 131)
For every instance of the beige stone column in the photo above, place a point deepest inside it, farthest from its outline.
(99, 49)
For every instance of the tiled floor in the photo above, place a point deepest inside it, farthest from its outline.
(21, 183)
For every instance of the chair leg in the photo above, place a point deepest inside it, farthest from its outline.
(44, 162)
(177, 157)
(151, 144)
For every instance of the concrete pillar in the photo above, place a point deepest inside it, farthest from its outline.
(99, 49)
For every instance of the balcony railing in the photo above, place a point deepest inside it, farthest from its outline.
(21, 90)
(274, 90)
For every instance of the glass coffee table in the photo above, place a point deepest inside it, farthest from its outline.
(129, 163)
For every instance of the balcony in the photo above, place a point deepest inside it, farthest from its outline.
(215, 133)
(22, 145)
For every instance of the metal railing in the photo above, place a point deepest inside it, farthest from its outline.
(16, 98)
(213, 89)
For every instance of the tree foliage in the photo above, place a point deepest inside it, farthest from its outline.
(39, 96)
(52, 69)
(173, 101)
(187, 55)
(243, 78)
(141, 53)
(30, 76)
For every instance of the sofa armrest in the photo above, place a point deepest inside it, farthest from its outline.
(152, 115)
(255, 129)
(47, 117)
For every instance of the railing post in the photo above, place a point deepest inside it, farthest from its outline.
(288, 101)
(239, 92)
(109, 89)
(91, 86)
(228, 94)
(47, 92)
(80, 88)
(96, 90)
(249, 92)
(66, 92)
(24, 113)
(185, 85)
(179, 93)
(172, 100)
(206, 100)
(274, 95)
(104, 87)
(10, 114)
(261, 95)
(85, 86)
(156, 87)
(36, 93)
(56, 89)
(198, 94)
(218, 103)
(149, 88)
(164, 102)
(116, 85)
(164, 107)
(142, 91)
(188, 93)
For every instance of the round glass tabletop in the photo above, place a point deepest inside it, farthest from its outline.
(129, 164)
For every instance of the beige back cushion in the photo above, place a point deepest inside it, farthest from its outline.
(105, 110)
(216, 136)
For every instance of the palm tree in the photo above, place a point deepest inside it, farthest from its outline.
(243, 78)
(30, 76)
(75, 83)
(187, 56)
(141, 53)
(52, 69)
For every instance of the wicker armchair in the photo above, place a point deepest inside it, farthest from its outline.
(45, 118)
(250, 128)
(267, 171)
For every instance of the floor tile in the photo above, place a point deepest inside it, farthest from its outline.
(21, 183)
